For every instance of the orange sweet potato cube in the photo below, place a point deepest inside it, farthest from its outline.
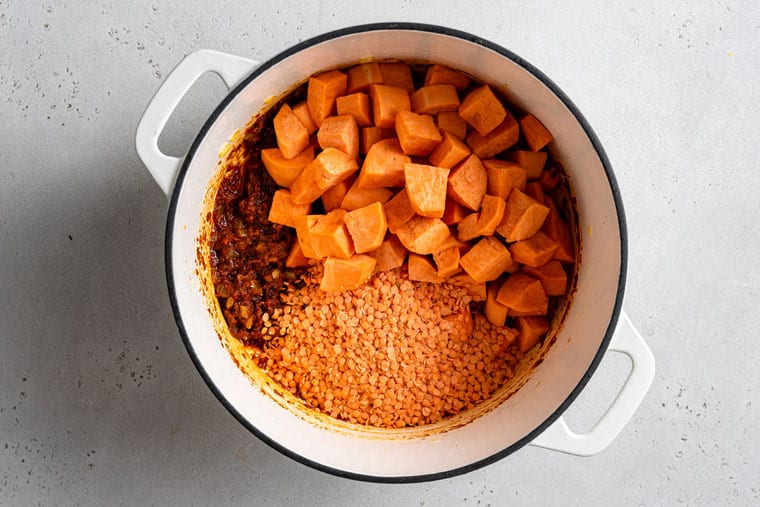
(447, 261)
(559, 230)
(533, 251)
(367, 227)
(347, 274)
(333, 196)
(503, 176)
(531, 330)
(321, 93)
(421, 269)
(426, 188)
(532, 161)
(453, 213)
(292, 136)
(451, 122)
(440, 74)
(371, 135)
(362, 75)
(397, 74)
(416, 133)
(390, 254)
(284, 211)
(468, 228)
(524, 294)
(384, 165)
(551, 275)
(357, 197)
(423, 235)
(495, 312)
(296, 258)
(341, 133)
(536, 135)
(468, 182)
(490, 216)
(523, 217)
(534, 189)
(330, 237)
(449, 152)
(301, 110)
(283, 170)
(499, 139)
(303, 234)
(482, 109)
(386, 102)
(487, 260)
(398, 211)
(327, 169)
(357, 105)
(431, 99)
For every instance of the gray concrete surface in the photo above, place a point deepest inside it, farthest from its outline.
(99, 402)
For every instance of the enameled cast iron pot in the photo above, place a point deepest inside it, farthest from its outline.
(593, 320)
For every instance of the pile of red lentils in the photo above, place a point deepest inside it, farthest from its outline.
(391, 354)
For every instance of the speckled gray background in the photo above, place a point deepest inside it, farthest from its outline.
(99, 402)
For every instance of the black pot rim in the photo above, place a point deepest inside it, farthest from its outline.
(621, 277)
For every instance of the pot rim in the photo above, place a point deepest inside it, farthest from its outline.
(441, 30)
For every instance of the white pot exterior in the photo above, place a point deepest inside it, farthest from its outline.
(410, 454)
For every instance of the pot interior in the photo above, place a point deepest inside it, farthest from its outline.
(498, 426)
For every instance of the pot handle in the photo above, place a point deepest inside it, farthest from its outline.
(559, 437)
(232, 69)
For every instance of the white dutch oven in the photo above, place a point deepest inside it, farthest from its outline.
(593, 322)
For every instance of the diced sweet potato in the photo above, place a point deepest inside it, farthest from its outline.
(487, 260)
(367, 227)
(384, 165)
(559, 230)
(536, 135)
(426, 189)
(490, 216)
(451, 122)
(333, 196)
(447, 261)
(386, 102)
(371, 135)
(397, 74)
(321, 93)
(327, 169)
(482, 109)
(282, 170)
(330, 237)
(341, 133)
(534, 251)
(416, 133)
(495, 312)
(524, 294)
(421, 269)
(440, 74)
(534, 190)
(434, 99)
(357, 197)
(523, 217)
(500, 138)
(449, 152)
(362, 75)
(284, 211)
(450, 242)
(551, 275)
(347, 274)
(476, 289)
(503, 176)
(390, 254)
(467, 228)
(357, 105)
(398, 211)
(468, 182)
(292, 136)
(532, 161)
(301, 110)
(303, 234)
(453, 213)
(296, 258)
(531, 330)
(422, 235)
